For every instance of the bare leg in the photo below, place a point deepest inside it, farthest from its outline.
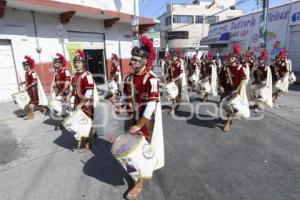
(84, 145)
(227, 123)
(136, 190)
(30, 114)
(172, 111)
(205, 97)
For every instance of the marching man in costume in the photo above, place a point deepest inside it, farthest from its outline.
(142, 98)
(282, 72)
(115, 79)
(245, 64)
(179, 78)
(166, 67)
(208, 77)
(261, 90)
(115, 73)
(193, 74)
(34, 88)
(62, 77)
(83, 89)
(232, 84)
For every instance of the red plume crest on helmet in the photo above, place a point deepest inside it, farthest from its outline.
(195, 57)
(80, 53)
(210, 55)
(147, 43)
(264, 54)
(283, 53)
(30, 61)
(62, 59)
(179, 53)
(236, 49)
(114, 56)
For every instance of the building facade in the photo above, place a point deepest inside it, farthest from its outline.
(42, 28)
(184, 25)
(283, 32)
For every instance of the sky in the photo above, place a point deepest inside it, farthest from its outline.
(154, 8)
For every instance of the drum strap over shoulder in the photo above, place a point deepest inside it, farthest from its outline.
(229, 76)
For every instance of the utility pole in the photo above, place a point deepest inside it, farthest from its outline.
(135, 24)
(264, 29)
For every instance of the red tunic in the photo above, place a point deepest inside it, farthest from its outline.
(176, 69)
(192, 68)
(31, 76)
(114, 70)
(81, 82)
(281, 68)
(146, 89)
(60, 78)
(237, 75)
(260, 74)
(206, 70)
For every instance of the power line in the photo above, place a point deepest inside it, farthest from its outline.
(240, 2)
(160, 8)
(164, 6)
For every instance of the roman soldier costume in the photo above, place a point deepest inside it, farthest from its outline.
(62, 77)
(115, 73)
(85, 93)
(193, 72)
(261, 89)
(208, 76)
(34, 88)
(142, 100)
(233, 86)
(281, 70)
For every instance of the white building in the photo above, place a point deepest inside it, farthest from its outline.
(184, 25)
(283, 32)
(42, 28)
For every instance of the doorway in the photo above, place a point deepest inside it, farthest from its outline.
(95, 64)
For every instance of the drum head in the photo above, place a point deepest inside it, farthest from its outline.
(124, 144)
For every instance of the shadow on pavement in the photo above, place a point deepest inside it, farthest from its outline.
(104, 167)
(200, 119)
(66, 140)
(295, 87)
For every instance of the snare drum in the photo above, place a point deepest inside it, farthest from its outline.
(235, 106)
(259, 93)
(112, 87)
(171, 90)
(193, 78)
(58, 106)
(22, 99)
(136, 155)
(204, 86)
(79, 123)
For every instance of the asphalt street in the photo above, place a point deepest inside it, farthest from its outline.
(257, 160)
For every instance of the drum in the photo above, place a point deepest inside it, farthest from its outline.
(204, 87)
(112, 87)
(193, 78)
(22, 99)
(136, 155)
(171, 90)
(259, 93)
(58, 106)
(292, 78)
(235, 106)
(79, 123)
(282, 86)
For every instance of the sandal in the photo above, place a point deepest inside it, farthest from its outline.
(28, 117)
(135, 191)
